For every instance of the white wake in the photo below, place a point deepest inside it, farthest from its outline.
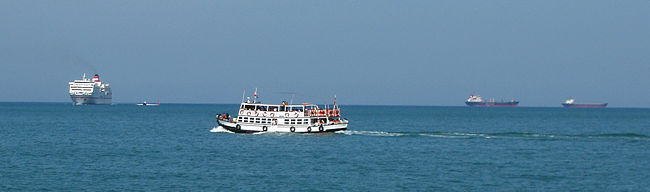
(371, 133)
(220, 129)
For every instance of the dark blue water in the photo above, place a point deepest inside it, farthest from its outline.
(131, 148)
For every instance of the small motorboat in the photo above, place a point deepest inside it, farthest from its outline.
(149, 104)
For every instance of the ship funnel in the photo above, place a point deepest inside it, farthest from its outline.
(96, 78)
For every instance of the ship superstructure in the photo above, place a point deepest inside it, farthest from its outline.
(304, 118)
(477, 101)
(90, 91)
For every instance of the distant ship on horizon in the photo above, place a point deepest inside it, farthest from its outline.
(570, 103)
(90, 92)
(149, 104)
(477, 101)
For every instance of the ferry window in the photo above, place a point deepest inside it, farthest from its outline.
(282, 108)
(261, 108)
(297, 109)
(286, 121)
(273, 108)
(245, 120)
(239, 118)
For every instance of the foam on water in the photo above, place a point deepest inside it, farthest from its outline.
(220, 129)
(505, 135)
(371, 133)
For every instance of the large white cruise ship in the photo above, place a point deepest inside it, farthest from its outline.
(90, 92)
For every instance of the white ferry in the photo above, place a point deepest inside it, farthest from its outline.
(86, 91)
(305, 118)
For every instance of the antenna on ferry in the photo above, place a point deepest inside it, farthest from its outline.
(291, 101)
(255, 96)
(242, 96)
(335, 102)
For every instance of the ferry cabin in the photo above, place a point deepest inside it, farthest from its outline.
(88, 87)
(81, 87)
(288, 115)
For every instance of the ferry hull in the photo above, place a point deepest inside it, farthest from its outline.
(253, 128)
(599, 105)
(90, 100)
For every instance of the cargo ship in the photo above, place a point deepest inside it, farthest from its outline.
(571, 104)
(477, 101)
(90, 92)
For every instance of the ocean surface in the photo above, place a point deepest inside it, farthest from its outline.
(60, 147)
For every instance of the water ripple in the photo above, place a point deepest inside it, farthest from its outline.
(498, 135)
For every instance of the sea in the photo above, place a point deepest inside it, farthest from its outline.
(179, 147)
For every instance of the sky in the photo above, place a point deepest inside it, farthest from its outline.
(432, 53)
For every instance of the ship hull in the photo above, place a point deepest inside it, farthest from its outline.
(90, 100)
(255, 128)
(493, 104)
(598, 105)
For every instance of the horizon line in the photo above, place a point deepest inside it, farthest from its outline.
(366, 105)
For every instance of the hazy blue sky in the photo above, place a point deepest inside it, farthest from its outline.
(366, 52)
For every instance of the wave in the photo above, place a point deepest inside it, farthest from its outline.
(371, 133)
(220, 129)
(495, 135)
